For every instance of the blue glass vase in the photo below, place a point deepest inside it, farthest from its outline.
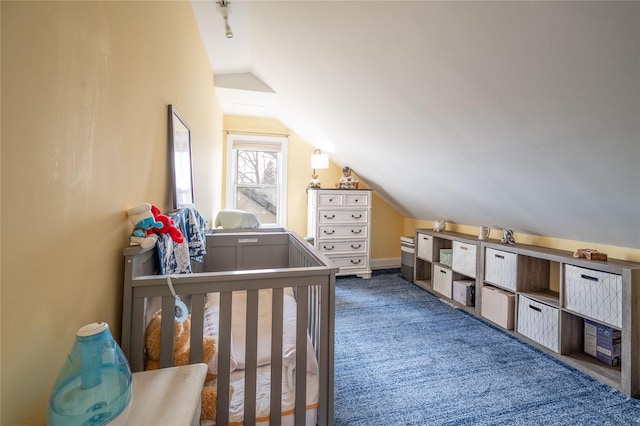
(94, 386)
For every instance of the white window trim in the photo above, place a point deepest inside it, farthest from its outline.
(282, 172)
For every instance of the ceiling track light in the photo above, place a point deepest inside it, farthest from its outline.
(223, 8)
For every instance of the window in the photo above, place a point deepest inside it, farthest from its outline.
(256, 177)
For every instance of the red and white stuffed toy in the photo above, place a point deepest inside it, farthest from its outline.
(167, 228)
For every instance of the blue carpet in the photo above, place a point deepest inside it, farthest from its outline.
(403, 357)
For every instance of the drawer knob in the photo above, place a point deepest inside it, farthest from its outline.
(329, 217)
(355, 262)
(329, 232)
(356, 247)
(356, 217)
(356, 231)
(328, 248)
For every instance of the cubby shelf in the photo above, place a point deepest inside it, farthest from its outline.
(556, 291)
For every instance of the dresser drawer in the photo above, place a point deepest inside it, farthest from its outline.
(356, 246)
(344, 216)
(442, 281)
(425, 247)
(464, 259)
(360, 200)
(325, 200)
(595, 294)
(349, 262)
(342, 232)
(539, 322)
(500, 268)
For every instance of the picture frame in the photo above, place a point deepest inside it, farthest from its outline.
(181, 160)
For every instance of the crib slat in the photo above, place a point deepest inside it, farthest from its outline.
(166, 331)
(224, 356)
(197, 328)
(138, 325)
(276, 354)
(251, 358)
(301, 355)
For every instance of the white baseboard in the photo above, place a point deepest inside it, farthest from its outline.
(385, 263)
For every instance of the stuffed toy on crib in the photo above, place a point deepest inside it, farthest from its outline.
(167, 227)
(143, 221)
(181, 350)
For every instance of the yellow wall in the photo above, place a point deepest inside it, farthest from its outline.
(624, 253)
(85, 88)
(386, 222)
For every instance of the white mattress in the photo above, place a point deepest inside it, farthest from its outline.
(263, 390)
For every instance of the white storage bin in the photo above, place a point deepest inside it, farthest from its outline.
(498, 306)
(464, 259)
(595, 294)
(442, 281)
(500, 268)
(539, 322)
(425, 247)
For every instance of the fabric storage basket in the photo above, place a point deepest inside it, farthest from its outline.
(595, 294)
(442, 281)
(424, 246)
(464, 259)
(500, 268)
(538, 322)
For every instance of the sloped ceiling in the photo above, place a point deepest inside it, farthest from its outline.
(520, 115)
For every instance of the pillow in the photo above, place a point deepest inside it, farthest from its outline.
(238, 326)
(211, 322)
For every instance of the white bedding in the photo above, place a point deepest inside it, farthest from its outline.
(263, 397)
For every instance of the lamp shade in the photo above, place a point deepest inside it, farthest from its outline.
(319, 161)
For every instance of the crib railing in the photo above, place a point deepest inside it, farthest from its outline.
(311, 276)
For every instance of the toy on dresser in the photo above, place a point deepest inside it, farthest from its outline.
(347, 181)
(314, 182)
(181, 351)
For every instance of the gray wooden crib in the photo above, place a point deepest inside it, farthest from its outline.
(275, 260)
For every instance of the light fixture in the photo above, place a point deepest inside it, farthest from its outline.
(319, 160)
(223, 8)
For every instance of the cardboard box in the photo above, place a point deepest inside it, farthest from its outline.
(498, 306)
(607, 342)
(464, 292)
(590, 338)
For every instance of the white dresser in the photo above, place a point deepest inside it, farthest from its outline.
(339, 220)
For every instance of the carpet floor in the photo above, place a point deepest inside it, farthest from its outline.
(403, 357)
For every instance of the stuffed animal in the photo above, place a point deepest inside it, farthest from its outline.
(181, 350)
(142, 220)
(314, 182)
(167, 226)
(347, 181)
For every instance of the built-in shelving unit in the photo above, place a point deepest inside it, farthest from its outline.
(552, 294)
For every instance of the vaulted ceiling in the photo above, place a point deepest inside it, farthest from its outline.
(520, 115)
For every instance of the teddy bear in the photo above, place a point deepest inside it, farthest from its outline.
(181, 349)
(142, 220)
(168, 226)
